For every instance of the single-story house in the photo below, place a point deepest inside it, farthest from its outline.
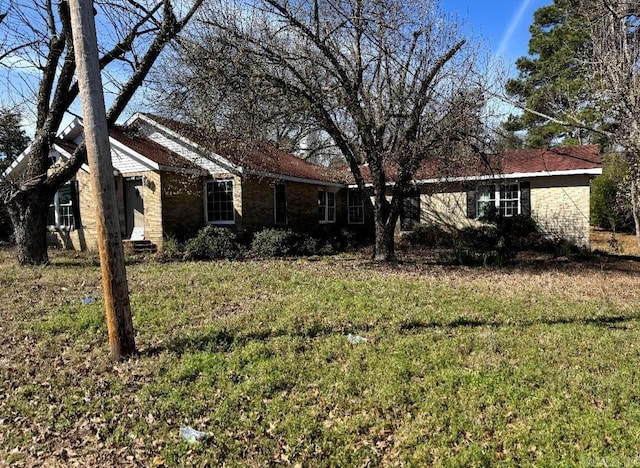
(551, 185)
(173, 178)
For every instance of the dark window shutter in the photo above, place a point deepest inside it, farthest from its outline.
(75, 204)
(525, 198)
(471, 204)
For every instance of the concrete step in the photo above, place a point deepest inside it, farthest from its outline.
(139, 246)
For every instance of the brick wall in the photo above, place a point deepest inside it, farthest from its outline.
(87, 213)
(182, 204)
(561, 206)
(258, 199)
(151, 193)
(152, 196)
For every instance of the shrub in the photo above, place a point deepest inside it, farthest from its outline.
(171, 248)
(276, 243)
(611, 196)
(285, 242)
(482, 238)
(212, 243)
(430, 235)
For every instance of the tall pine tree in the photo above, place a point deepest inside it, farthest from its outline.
(551, 81)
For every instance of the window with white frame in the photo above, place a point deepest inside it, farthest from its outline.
(280, 203)
(505, 199)
(61, 210)
(219, 201)
(355, 207)
(509, 200)
(326, 207)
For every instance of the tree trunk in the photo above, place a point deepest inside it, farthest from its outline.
(28, 212)
(384, 248)
(635, 203)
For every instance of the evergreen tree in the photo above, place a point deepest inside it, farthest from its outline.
(551, 80)
(13, 139)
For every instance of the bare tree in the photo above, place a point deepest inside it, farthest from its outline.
(383, 78)
(612, 71)
(37, 47)
(199, 85)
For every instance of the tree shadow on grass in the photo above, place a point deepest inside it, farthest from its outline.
(608, 322)
(225, 340)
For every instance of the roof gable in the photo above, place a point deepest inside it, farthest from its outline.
(259, 158)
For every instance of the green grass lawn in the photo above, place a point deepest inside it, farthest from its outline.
(538, 363)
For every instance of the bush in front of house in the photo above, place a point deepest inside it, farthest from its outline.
(276, 243)
(430, 235)
(272, 242)
(213, 243)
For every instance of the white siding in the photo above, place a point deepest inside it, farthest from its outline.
(180, 147)
(125, 163)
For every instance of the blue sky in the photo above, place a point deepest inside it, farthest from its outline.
(503, 24)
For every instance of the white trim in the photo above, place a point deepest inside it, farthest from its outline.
(66, 154)
(498, 177)
(225, 162)
(132, 154)
(272, 175)
(327, 207)
(515, 175)
(233, 204)
(199, 150)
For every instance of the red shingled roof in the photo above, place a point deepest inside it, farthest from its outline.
(260, 157)
(533, 161)
(141, 145)
(150, 149)
(569, 158)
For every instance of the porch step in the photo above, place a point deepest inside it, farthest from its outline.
(139, 246)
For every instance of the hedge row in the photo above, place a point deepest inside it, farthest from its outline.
(213, 243)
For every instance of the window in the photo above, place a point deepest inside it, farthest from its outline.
(326, 207)
(220, 202)
(61, 210)
(280, 206)
(507, 199)
(355, 207)
(410, 213)
(486, 201)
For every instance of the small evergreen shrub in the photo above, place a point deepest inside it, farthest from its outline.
(277, 243)
(171, 248)
(212, 243)
(270, 243)
(430, 235)
(482, 238)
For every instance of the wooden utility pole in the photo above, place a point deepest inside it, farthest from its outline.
(114, 276)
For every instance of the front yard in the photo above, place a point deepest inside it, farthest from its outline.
(329, 362)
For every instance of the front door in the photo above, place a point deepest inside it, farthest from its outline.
(135, 207)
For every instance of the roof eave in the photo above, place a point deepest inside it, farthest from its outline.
(516, 175)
